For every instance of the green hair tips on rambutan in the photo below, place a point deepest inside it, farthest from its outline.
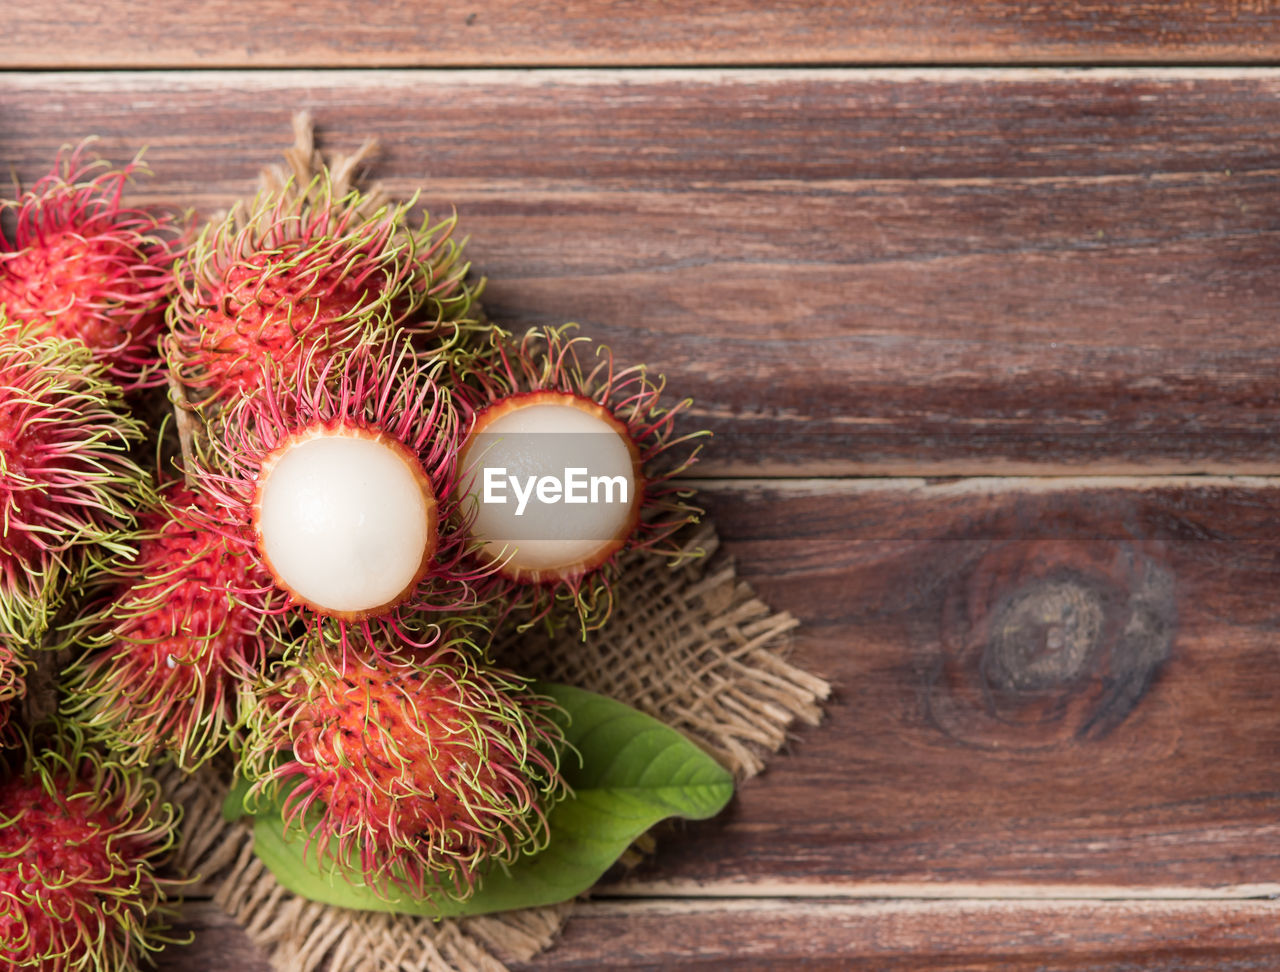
(179, 642)
(543, 406)
(13, 674)
(419, 769)
(312, 267)
(445, 299)
(81, 841)
(82, 265)
(69, 486)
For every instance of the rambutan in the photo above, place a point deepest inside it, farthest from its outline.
(82, 265)
(536, 416)
(419, 769)
(13, 672)
(344, 477)
(179, 640)
(314, 268)
(68, 485)
(81, 839)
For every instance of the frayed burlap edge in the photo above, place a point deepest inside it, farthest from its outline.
(692, 646)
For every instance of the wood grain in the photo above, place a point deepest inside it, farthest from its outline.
(877, 273)
(981, 936)
(919, 936)
(975, 935)
(1040, 688)
(328, 33)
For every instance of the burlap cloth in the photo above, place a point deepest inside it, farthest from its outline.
(692, 647)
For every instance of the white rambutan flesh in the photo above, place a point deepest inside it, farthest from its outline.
(346, 520)
(555, 481)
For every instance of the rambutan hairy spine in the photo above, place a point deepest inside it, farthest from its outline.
(552, 363)
(421, 770)
(176, 644)
(69, 487)
(307, 274)
(13, 672)
(82, 840)
(82, 265)
(317, 178)
(382, 394)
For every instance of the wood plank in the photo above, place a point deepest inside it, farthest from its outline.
(328, 33)
(917, 936)
(873, 273)
(1040, 687)
(987, 739)
(1079, 936)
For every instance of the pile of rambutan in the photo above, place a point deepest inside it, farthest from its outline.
(84, 833)
(243, 522)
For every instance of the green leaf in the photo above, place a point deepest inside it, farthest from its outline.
(634, 771)
(233, 806)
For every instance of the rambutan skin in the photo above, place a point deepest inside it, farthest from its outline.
(81, 265)
(181, 633)
(306, 275)
(421, 769)
(81, 840)
(13, 673)
(377, 392)
(69, 486)
(547, 363)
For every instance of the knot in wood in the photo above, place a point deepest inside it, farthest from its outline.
(1045, 635)
(1047, 641)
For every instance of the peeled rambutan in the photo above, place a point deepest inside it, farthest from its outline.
(69, 487)
(536, 417)
(82, 265)
(419, 769)
(344, 477)
(81, 839)
(313, 269)
(181, 638)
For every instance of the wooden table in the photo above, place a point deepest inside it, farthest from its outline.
(980, 300)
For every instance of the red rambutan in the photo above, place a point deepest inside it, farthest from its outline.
(537, 417)
(68, 485)
(80, 841)
(81, 265)
(309, 272)
(344, 478)
(418, 769)
(179, 640)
